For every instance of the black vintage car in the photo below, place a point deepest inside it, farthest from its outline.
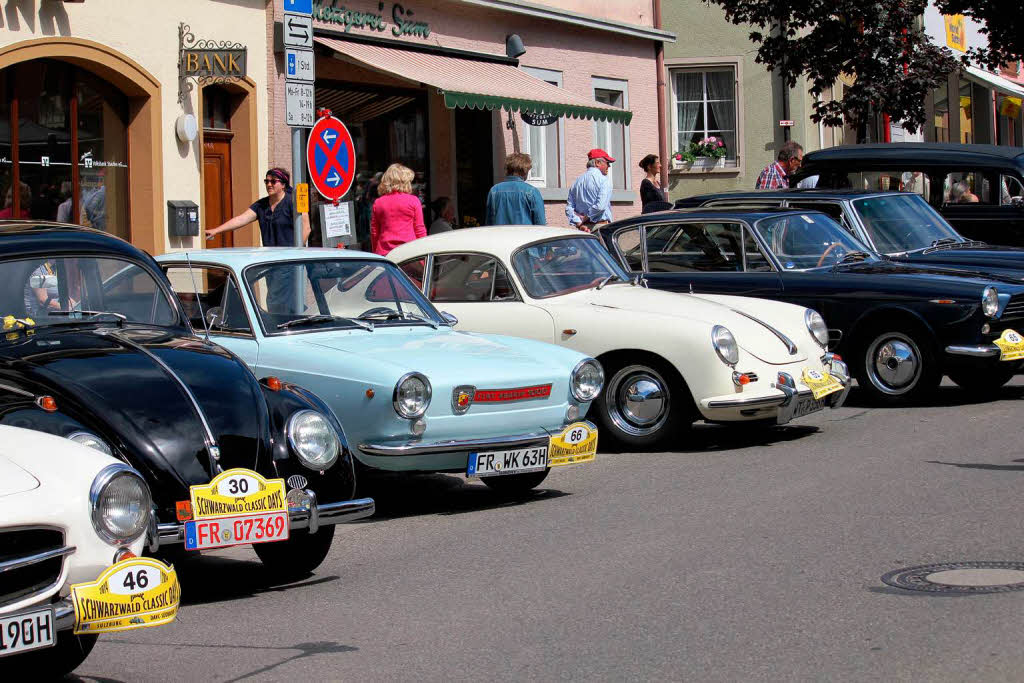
(979, 189)
(96, 348)
(899, 327)
(901, 225)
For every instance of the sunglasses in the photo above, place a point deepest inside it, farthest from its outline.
(270, 181)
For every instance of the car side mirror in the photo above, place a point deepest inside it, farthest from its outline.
(449, 319)
(213, 317)
(1017, 202)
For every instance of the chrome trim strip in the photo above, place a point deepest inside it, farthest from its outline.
(790, 346)
(36, 559)
(748, 402)
(456, 445)
(980, 351)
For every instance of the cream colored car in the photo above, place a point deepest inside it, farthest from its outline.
(669, 359)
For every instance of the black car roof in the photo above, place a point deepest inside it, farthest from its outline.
(716, 212)
(809, 193)
(33, 237)
(920, 153)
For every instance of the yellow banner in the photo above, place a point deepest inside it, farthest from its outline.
(956, 31)
(136, 593)
(1011, 345)
(237, 492)
(821, 383)
(1010, 107)
(577, 443)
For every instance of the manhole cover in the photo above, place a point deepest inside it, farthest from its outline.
(960, 577)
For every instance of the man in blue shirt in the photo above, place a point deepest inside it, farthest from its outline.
(590, 196)
(514, 201)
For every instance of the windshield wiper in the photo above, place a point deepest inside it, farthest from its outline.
(858, 255)
(608, 279)
(322, 318)
(944, 240)
(121, 319)
(392, 314)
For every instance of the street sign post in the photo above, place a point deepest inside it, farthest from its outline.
(331, 157)
(297, 31)
(299, 95)
(298, 65)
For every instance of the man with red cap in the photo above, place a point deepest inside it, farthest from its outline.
(590, 196)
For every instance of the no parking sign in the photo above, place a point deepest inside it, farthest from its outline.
(331, 158)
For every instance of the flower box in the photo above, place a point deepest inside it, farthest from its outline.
(708, 162)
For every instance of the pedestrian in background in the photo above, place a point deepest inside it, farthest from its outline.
(514, 201)
(652, 195)
(590, 197)
(776, 176)
(397, 215)
(444, 214)
(275, 212)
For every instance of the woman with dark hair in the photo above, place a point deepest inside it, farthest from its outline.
(444, 214)
(275, 212)
(650, 186)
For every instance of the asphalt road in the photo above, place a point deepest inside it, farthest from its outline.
(743, 556)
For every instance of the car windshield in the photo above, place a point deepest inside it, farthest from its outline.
(342, 293)
(810, 240)
(905, 222)
(67, 290)
(563, 265)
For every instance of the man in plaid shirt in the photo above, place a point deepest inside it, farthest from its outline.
(790, 157)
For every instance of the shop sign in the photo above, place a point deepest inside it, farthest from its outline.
(401, 24)
(209, 61)
(1010, 107)
(538, 119)
(956, 31)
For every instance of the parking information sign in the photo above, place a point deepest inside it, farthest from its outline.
(299, 110)
(331, 158)
(298, 65)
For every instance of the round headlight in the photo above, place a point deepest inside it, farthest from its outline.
(587, 380)
(412, 395)
(990, 302)
(816, 326)
(92, 441)
(121, 504)
(313, 439)
(725, 345)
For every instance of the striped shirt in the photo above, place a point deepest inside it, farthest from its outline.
(772, 178)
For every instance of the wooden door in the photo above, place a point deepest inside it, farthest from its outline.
(217, 185)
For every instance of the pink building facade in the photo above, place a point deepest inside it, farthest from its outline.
(365, 59)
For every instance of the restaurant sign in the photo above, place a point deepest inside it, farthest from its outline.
(402, 21)
(209, 61)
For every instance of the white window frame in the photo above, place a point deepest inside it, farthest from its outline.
(621, 86)
(704, 64)
(537, 176)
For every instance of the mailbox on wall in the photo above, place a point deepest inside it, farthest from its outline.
(182, 218)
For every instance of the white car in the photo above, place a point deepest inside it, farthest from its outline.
(669, 359)
(67, 513)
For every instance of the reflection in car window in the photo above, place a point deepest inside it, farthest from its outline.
(414, 269)
(469, 277)
(628, 243)
(700, 247)
(211, 293)
(899, 223)
(337, 290)
(561, 266)
(807, 240)
(42, 288)
(967, 187)
(1010, 188)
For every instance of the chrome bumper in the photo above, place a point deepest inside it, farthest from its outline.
(312, 517)
(979, 351)
(413, 447)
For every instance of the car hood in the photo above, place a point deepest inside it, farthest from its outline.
(14, 479)
(111, 384)
(753, 334)
(1003, 261)
(967, 278)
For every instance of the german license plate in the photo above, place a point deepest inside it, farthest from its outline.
(27, 631)
(241, 530)
(512, 461)
(808, 405)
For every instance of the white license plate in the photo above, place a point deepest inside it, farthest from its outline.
(514, 461)
(27, 631)
(242, 530)
(808, 405)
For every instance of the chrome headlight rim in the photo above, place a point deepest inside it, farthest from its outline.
(81, 437)
(427, 390)
(990, 302)
(731, 359)
(293, 445)
(579, 396)
(810, 317)
(99, 486)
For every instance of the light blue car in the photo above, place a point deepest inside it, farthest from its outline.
(412, 393)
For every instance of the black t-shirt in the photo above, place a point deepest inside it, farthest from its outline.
(650, 193)
(277, 227)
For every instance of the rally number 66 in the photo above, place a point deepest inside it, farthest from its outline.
(576, 436)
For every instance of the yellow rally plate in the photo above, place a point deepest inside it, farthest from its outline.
(821, 383)
(577, 443)
(1011, 345)
(237, 492)
(135, 593)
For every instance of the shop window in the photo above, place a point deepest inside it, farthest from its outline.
(544, 143)
(941, 122)
(68, 131)
(216, 108)
(705, 106)
(612, 137)
(966, 113)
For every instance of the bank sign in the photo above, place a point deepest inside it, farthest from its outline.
(399, 22)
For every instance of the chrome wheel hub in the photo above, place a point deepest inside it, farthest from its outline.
(637, 400)
(894, 363)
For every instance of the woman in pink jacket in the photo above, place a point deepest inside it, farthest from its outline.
(397, 214)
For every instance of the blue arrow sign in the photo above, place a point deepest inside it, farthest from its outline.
(333, 179)
(329, 136)
(299, 6)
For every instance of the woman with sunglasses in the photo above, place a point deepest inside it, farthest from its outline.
(275, 212)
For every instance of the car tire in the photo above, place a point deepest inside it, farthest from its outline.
(299, 555)
(663, 410)
(983, 380)
(512, 484)
(897, 366)
(52, 662)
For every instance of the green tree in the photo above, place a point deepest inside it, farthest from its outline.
(880, 45)
(1002, 22)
